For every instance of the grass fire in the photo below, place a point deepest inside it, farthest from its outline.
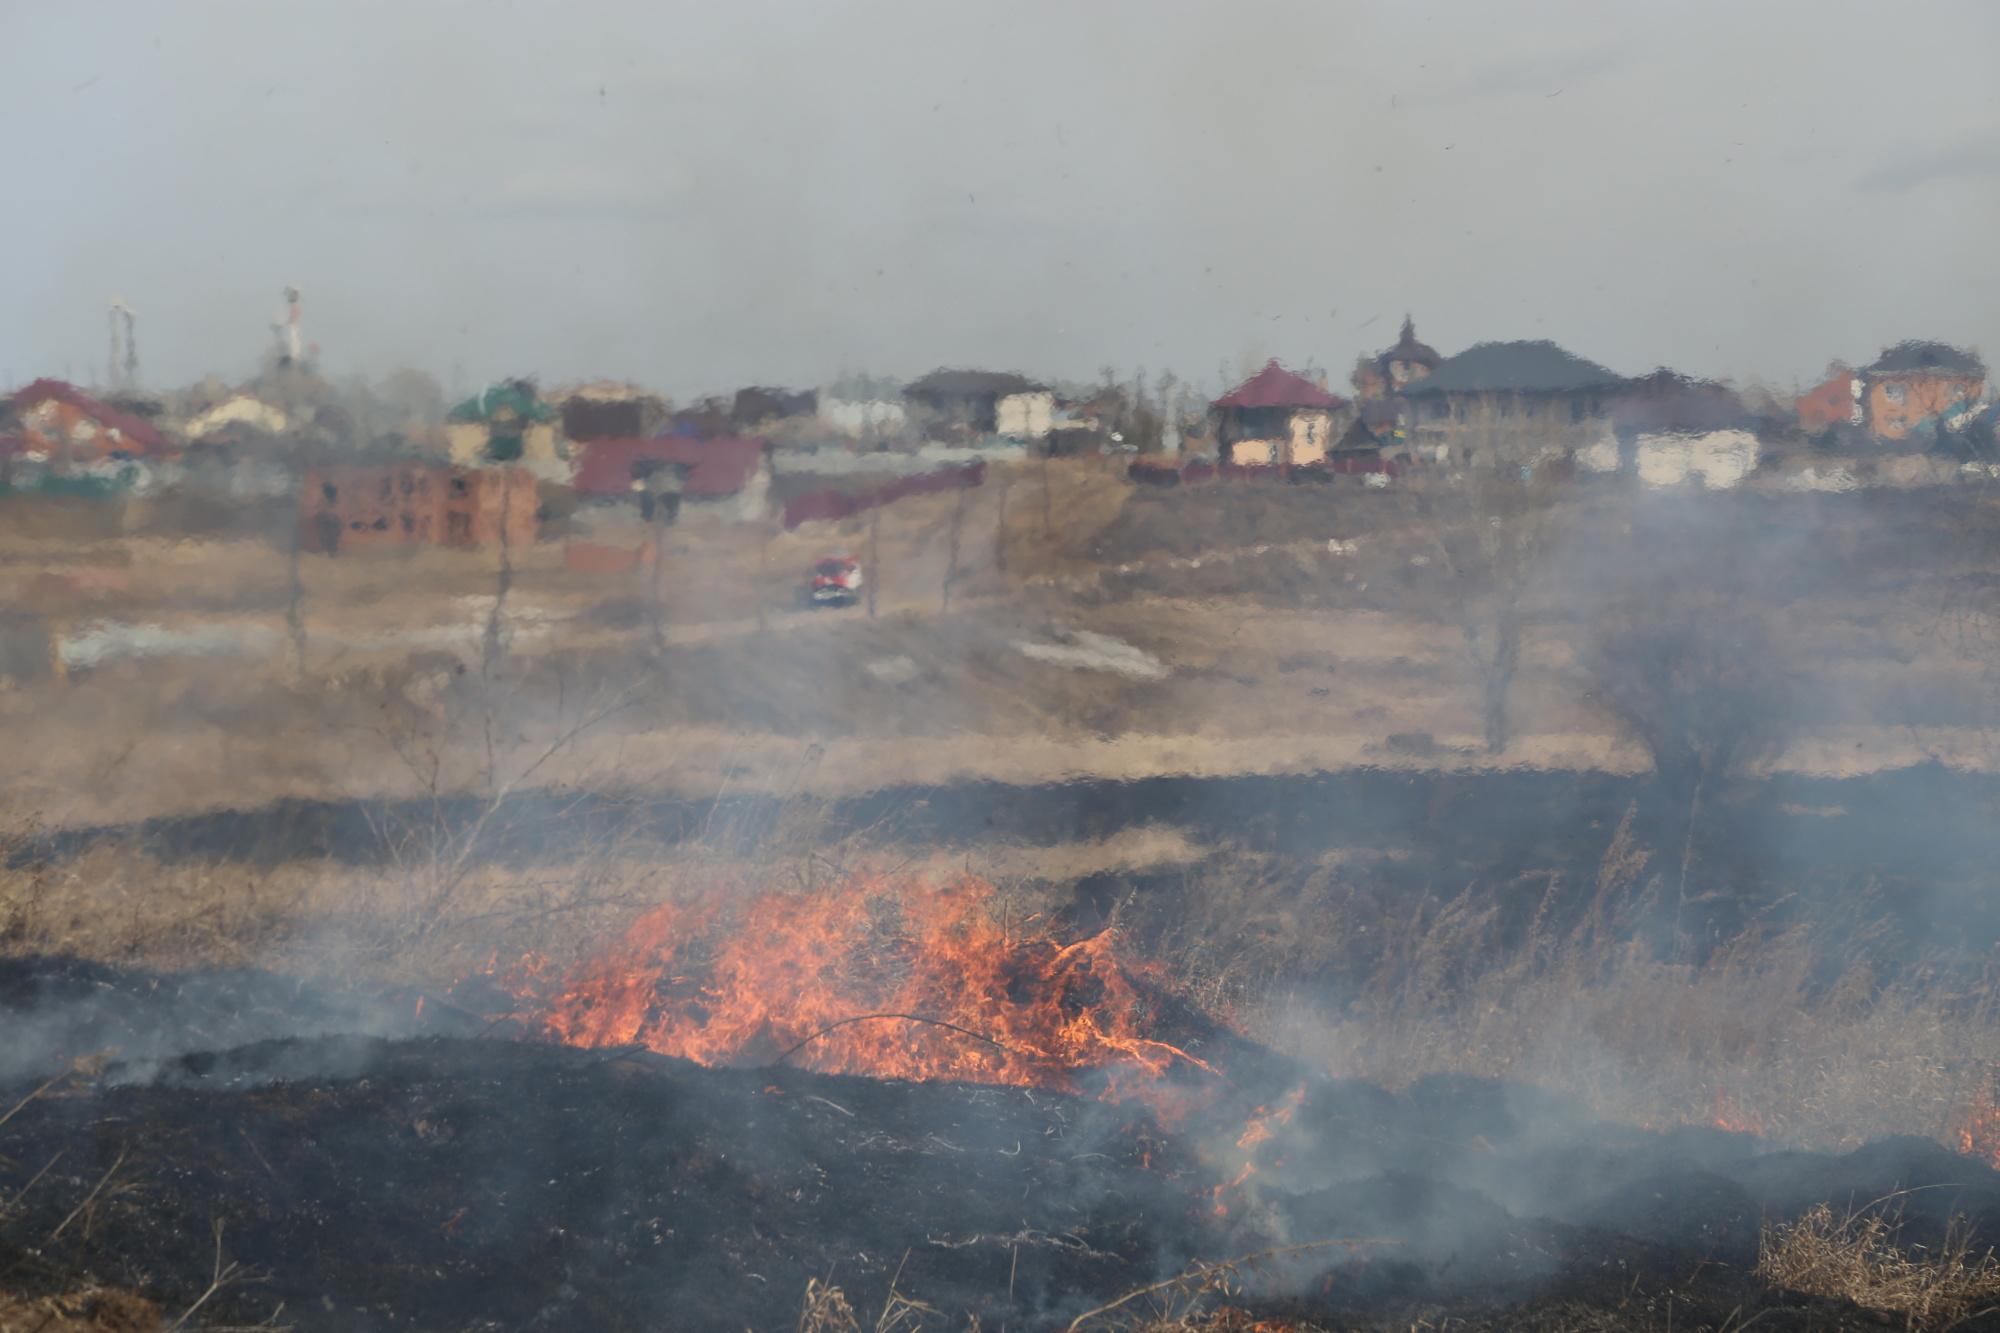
(884, 976)
(996, 668)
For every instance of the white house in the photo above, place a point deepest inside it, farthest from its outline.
(860, 405)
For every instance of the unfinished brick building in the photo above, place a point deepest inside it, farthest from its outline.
(347, 509)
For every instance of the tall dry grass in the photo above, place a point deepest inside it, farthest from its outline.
(1820, 1034)
(1858, 1256)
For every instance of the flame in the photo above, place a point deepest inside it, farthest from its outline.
(1723, 1113)
(1978, 1130)
(1263, 1123)
(883, 976)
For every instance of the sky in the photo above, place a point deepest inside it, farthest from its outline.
(697, 197)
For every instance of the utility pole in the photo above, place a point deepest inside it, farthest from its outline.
(873, 575)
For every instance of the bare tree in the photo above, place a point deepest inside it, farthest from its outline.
(1489, 532)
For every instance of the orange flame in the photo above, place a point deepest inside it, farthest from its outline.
(1260, 1127)
(882, 976)
(1723, 1113)
(1978, 1131)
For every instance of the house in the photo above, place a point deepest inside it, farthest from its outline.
(1511, 404)
(756, 405)
(1388, 372)
(607, 409)
(727, 477)
(1379, 381)
(240, 410)
(861, 405)
(505, 423)
(974, 403)
(1670, 429)
(358, 508)
(62, 427)
(1905, 391)
(1276, 417)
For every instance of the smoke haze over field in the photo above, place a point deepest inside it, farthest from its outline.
(698, 197)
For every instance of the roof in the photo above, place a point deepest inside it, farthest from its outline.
(863, 389)
(1665, 400)
(517, 396)
(1516, 367)
(1274, 386)
(1409, 349)
(103, 414)
(943, 383)
(721, 466)
(1927, 358)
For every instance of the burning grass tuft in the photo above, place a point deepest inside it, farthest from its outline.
(1856, 1257)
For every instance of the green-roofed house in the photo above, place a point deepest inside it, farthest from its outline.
(505, 423)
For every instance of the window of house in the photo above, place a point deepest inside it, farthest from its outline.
(1576, 409)
(1895, 393)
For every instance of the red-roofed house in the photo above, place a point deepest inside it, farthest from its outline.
(64, 425)
(726, 472)
(1276, 417)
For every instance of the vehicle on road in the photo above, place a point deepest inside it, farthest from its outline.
(835, 581)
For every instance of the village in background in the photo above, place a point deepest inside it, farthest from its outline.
(1043, 579)
(1918, 414)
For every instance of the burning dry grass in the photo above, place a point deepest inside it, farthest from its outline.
(1856, 1257)
(869, 974)
(1815, 1035)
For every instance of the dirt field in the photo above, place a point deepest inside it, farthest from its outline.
(1267, 629)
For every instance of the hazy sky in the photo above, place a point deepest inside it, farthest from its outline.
(707, 195)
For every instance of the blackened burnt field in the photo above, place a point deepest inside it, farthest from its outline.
(447, 1182)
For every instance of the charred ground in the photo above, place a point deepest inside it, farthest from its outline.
(451, 1183)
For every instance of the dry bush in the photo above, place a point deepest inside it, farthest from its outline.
(1855, 1257)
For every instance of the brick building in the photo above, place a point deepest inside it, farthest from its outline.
(1903, 392)
(361, 508)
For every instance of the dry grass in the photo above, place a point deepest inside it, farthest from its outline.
(1856, 1257)
(1801, 1034)
(1817, 1034)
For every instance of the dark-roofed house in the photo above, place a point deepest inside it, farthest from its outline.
(758, 404)
(607, 409)
(1903, 392)
(1672, 430)
(960, 404)
(1276, 417)
(1389, 372)
(1379, 380)
(1511, 403)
